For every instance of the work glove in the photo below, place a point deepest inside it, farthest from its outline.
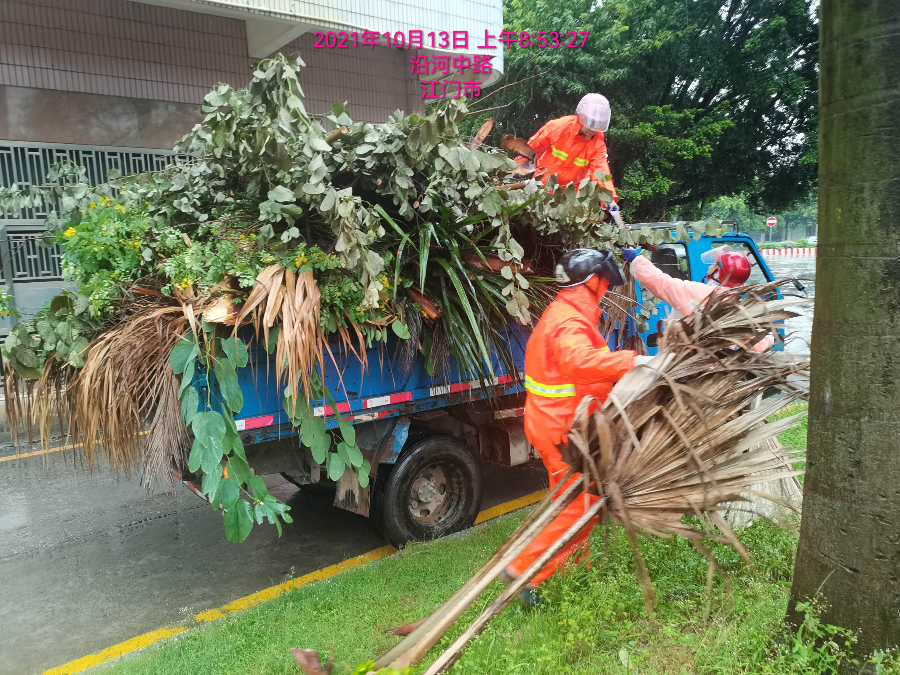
(629, 254)
(613, 209)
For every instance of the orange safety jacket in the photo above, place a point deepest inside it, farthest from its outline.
(561, 149)
(567, 359)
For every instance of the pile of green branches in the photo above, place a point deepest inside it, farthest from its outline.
(302, 227)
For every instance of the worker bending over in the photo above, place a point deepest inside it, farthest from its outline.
(727, 269)
(567, 359)
(574, 147)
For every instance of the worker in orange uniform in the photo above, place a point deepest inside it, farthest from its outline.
(574, 147)
(727, 269)
(567, 359)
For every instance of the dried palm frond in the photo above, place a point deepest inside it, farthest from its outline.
(621, 305)
(126, 384)
(677, 437)
(282, 296)
(124, 399)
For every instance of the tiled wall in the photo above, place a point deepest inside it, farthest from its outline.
(119, 48)
(473, 16)
(142, 51)
(374, 82)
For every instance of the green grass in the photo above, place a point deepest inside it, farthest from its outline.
(592, 620)
(796, 436)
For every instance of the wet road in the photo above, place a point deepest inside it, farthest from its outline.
(800, 328)
(88, 560)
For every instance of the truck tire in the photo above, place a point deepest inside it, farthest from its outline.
(433, 490)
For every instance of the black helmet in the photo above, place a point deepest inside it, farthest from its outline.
(577, 266)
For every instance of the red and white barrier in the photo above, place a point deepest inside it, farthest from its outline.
(789, 251)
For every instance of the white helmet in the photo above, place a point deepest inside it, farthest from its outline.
(593, 112)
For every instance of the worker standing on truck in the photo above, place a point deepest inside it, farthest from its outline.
(574, 147)
(727, 269)
(567, 359)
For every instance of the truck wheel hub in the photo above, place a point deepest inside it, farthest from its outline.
(428, 494)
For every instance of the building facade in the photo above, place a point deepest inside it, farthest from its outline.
(114, 84)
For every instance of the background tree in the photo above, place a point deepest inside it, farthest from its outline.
(737, 208)
(709, 97)
(850, 536)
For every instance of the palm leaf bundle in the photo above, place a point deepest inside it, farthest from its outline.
(678, 437)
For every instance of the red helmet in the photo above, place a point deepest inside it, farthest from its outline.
(734, 269)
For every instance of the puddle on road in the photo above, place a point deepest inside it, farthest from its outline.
(800, 327)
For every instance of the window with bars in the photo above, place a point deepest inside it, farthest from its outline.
(25, 164)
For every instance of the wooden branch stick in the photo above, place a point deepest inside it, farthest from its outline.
(337, 133)
(418, 643)
(449, 657)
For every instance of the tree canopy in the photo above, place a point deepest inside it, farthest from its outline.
(709, 97)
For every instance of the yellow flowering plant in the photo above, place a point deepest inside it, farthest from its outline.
(104, 250)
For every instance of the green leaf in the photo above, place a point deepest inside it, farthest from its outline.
(464, 299)
(187, 376)
(312, 430)
(258, 486)
(400, 329)
(239, 469)
(198, 450)
(77, 352)
(212, 457)
(189, 402)
(280, 194)
(208, 426)
(335, 466)
(183, 352)
(211, 479)
(236, 351)
(342, 452)
(227, 379)
(233, 441)
(82, 303)
(354, 454)
(238, 522)
(363, 472)
(27, 357)
(347, 431)
(227, 494)
(272, 342)
(319, 145)
(320, 446)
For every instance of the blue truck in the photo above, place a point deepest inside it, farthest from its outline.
(426, 439)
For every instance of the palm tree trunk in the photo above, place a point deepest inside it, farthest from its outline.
(850, 535)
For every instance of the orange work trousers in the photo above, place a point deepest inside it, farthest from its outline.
(557, 468)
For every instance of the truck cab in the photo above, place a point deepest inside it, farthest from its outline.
(682, 261)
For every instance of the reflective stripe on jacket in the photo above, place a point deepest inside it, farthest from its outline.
(560, 149)
(567, 359)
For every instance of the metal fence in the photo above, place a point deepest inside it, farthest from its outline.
(31, 273)
(25, 164)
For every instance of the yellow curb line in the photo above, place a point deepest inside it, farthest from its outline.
(508, 507)
(141, 641)
(85, 662)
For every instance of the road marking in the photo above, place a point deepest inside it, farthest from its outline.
(85, 662)
(49, 450)
(141, 641)
(274, 591)
(508, 507)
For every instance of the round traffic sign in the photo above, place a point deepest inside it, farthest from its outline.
(771, 221)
